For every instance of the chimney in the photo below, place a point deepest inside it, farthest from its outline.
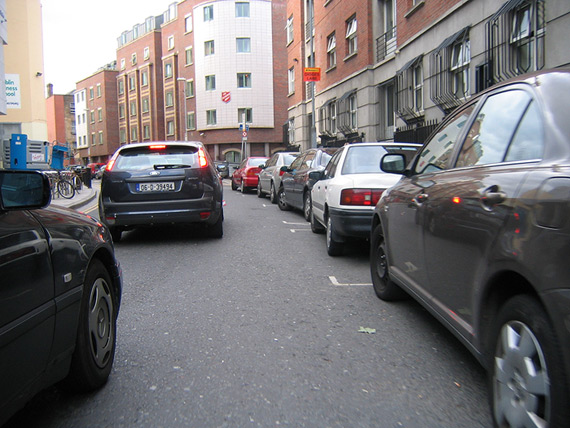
(50, 90)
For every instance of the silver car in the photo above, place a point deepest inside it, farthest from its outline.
(270, 175)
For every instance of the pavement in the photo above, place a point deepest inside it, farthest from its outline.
(80, 199)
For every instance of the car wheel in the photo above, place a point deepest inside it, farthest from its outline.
(527, 380)
(243, 188)
(116, 233)
(283, 206)
(217, 229)
(272, 194)
(316, 227)
(334, 247)
(259, 192)
(96, 333)
(307, 205)
(384, 288)
(234, 186)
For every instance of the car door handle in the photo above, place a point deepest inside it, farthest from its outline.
(418, 200)
(493, 196)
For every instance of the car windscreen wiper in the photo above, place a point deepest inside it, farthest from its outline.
(172, 166)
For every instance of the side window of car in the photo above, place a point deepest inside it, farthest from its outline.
(529, 137)
(437, 152)
(297, 163)
(490, 134)
(271, 161)
(331, 166)
(308, 160)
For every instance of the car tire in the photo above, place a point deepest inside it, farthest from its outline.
(527, 380)
(94, 352)
(217, 229)
(234, 186)
(316, 227)
(116, 233)
(259, 192)
(307, 207)
(272, 194)
(334, 247)
(384, 287)
(283, 206)
(243, 188)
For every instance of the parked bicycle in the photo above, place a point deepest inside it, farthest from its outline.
(61, 184)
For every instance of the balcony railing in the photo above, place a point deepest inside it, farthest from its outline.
(386, 44)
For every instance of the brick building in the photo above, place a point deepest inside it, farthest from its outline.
(60, 112)
(391, 69)
(96, 115)
(200, 69)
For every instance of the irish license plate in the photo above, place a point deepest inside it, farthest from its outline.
(155, 187)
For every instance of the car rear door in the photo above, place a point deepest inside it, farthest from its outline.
(471, 207)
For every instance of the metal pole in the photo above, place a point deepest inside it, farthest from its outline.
(182, 79)
(313, 84)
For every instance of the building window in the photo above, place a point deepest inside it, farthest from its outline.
(134, 134)
(170, 127)
(210, 83)
(169, 99)
(131, 82)
(98, 90)
(418, 88)
(208, 13)
(409, 90)
(146, 132)
(121, 86)
(352, 112)
(144, 78)
(145, 105)
(351, 40)
(188, 24)
(170, 42)
(331, 118)
(100, 137)
(122, 135)
(189, 88)
(100, 114)
(291, 80)
(92, 114)
(244, 80)
(167, 70)
(189, 56)
(123, 63)
(291, 130)
(242, 9)
(243, 45)
(133, 108)
(93, 139)
(245, 114)
(134, 59)
(460, 59)
(289, 29)
(91, 96)
(211, 117)
(146, 54)
(209, 47)
(331, 51)
(191, 120)
(121, 111)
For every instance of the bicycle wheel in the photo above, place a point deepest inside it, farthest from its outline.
(77, 184)
(65, 189)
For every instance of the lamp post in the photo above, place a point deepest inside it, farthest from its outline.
(182, 79)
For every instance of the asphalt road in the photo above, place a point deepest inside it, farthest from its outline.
(262, 329)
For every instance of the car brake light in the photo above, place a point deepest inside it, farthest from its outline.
(110, 165)
(456, 200)
(157, 146)
(202, 158)
(360, 197)
(250, 172)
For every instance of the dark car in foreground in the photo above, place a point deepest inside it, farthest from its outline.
(161, 183)
(59, 295)
(296, 184)
(478, 231)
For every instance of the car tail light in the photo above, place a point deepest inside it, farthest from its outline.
(111, 163)
(157, 147)
(361, 197)
(202, 158)
(250, 172)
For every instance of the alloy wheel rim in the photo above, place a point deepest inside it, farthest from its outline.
(381, 266)
(521, 383)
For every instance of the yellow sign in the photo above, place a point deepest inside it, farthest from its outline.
(311, 74)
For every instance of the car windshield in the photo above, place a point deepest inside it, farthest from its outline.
(287, 159)
(142, 158)
(363, 160)
(256, 161)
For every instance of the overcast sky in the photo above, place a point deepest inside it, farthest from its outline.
(80, 36)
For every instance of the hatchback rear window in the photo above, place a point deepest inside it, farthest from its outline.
(156, 157)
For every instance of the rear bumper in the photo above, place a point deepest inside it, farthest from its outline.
(250, 181)
(140, 213)
(351, 223)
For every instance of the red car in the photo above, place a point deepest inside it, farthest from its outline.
(246, 175)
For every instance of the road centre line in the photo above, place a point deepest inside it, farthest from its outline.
(338, 284)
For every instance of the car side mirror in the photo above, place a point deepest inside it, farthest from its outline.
(316, 175)
(262, 166)
(284, 169)
(24, 190)
(393, 163)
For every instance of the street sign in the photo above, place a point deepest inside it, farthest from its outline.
(244, 134)
(311, 74)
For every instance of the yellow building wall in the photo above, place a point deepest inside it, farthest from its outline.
(24, 58)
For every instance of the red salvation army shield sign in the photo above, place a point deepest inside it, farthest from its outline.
(226, 96)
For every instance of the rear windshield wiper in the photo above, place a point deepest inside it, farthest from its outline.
(172, 166)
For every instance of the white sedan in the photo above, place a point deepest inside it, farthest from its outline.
(344, 197)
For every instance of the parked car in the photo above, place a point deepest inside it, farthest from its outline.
(60, 294)
(296, 185)
(247, 174)
(271, 172)
(161, 182)
(95, 167)
(223, 168)
(345, 193)
(478, 231)
(100, 172)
